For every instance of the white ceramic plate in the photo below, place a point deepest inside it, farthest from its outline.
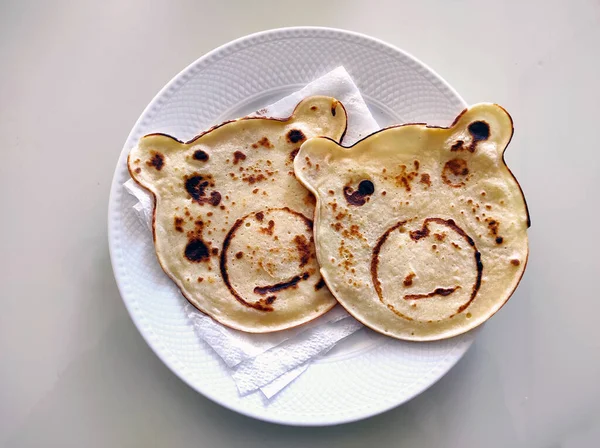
(368, 373)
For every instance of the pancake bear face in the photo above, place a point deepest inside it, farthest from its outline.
(232, 225)
(420, 232)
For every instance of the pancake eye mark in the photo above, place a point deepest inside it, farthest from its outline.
(360, 196)
(366, 187)
(479, 131)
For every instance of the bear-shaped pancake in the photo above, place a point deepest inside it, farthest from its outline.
(421, 232)
(232, 225)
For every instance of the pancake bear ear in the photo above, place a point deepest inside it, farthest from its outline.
(320, 115)
(322, 112)
(311, 164)
(482, 127)
(149, 160)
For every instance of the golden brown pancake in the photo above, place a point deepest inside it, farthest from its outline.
(421, 232)
(232, 225)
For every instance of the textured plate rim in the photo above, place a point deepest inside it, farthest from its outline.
(172, 363)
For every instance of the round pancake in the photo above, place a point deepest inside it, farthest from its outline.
(232, 226)
(421, 232)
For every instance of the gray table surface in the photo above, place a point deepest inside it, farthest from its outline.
(74, 77)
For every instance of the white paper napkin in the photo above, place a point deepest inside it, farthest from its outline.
(270, 362)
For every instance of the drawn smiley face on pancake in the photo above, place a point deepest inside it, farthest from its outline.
(421, 232)
(232, 225)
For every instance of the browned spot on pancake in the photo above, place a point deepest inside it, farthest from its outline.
(138, 170)
(359, 197)
(292, 283)
(295, 136)
(293, 154)
(416, 163)
(178, 223)
(313, 108)
(331, 192)
(353, 232)
(237, 156)
(255, 191)
(259, 216)
(456, 246)
(252, 179)
(425, 179)
(309, 199)
(157, 160)
(416, 235)
(434, 246)
(437, 292)
(493, 227)
(200, 279)
(440, 236)
(337, 226)
(304, 249)
(264, 142)
(346, 257)
(405, 178)
(196, 187)
(215, 198)
(455, 172)
(320, 284)
(196, 251)
(515, 262)
(408, 280)
(268, 230)
(200, 155)
(341, 215)
(458, 146)
(214, 251)
(239, 255)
